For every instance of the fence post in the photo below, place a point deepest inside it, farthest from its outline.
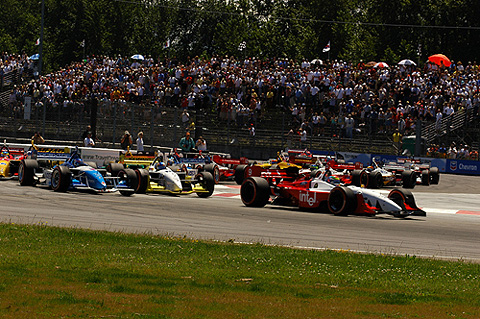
(114, 122)
(152, 118)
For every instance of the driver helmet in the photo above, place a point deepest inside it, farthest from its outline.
(160, 165)
(5, 152)
(333, 180)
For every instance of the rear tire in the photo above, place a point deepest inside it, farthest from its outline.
(342, 201)
(426, 178)
(114, 168)
(207, 181)
(255, 192)
(409, 179)
(355, 178)
(143, 179)
(240, 174)
(214, 170)
(26, 172)
(376, 180)
(130, 177)
(61, 178)
(434, 175)
(365, 179)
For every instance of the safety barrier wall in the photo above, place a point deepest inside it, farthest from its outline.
(103, 156)
(451, 166)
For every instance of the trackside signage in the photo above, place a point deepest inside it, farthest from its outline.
(463, 167)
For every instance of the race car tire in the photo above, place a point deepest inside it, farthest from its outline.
(61, 178)
(130, 177)
(426, 178)
(207, 181)
(364, 178)
(434, 175)
(114, 168)
(255, 192)
(401, 197)
(143, 179)
(92, 164)
(214, 170)
(356, 177)
(26, 172)
(240, 174)
(376, 180)
(341, 201)
(409, 179)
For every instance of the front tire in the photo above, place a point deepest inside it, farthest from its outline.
(255, 192)
(341, 201)
(61, 178)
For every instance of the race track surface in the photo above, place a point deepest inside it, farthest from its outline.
(450, 230)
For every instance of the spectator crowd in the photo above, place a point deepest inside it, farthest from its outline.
(337, 97)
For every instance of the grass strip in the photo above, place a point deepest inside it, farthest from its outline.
(50, 272)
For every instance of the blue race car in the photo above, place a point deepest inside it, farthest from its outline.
(75, 174)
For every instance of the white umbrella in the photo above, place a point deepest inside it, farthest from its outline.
(406, 62)
(381, 65)
(316, 61)
(137, 57)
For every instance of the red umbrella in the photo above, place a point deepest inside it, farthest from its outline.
(381, 65)
(439, 58)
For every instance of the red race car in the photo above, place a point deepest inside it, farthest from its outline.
(306, 191)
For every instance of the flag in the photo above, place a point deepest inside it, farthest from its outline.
(327, 47)
(37, 42)
(167, 44)
(82, 44)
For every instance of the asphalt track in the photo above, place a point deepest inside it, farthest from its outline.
(451, 229)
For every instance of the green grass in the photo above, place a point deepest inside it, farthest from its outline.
(48, 272)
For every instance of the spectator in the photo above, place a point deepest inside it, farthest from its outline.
(37, 138)
(186, 143)
(349, 124)
(140, 142)
(126, 141)
(201, 144)
(397, 141)
(88, 141)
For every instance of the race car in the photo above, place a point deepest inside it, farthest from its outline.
(10, 159)
(314, 193)
(154, 176)
(192, 163)
(72, 173)
(227, 165)
(423, 173)
(280, 163)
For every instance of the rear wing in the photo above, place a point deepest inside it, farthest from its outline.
(229, 161)
(291, 172)
(49, 153)
(337, 166)
(139, 159)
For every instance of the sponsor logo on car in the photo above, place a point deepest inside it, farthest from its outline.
(304, 197)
